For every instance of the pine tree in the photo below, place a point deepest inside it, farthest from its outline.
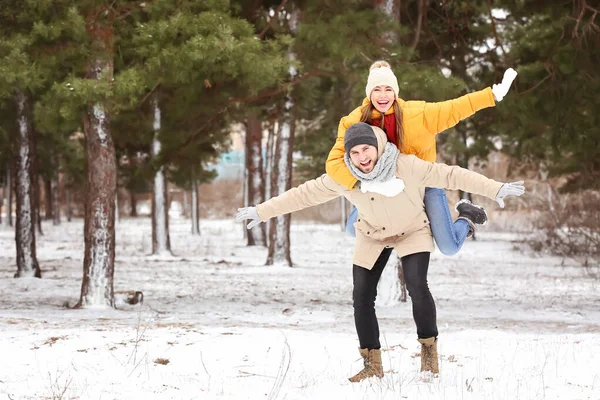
(214, 63)
(30, 34)
(556, 49)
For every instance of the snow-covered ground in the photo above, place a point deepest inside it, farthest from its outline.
(217, 324)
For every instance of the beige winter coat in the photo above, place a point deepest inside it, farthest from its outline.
(400, 221)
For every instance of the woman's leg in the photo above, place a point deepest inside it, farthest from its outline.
(363, 297)
(449, 236)
(350, 230)
(415, 268)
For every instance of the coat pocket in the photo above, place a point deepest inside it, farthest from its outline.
(364, 227)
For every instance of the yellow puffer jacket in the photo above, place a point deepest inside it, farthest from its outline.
(421, 121)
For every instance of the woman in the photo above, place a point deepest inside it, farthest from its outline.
(412, 126)
(381, 229)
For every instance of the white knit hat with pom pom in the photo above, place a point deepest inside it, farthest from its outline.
(381, 75)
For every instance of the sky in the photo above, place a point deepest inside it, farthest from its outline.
(218, 324)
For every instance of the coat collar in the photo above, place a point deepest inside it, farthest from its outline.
(381, 140)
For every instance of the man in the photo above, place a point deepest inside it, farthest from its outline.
(391, 219)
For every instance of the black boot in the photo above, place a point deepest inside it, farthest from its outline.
(473, 214)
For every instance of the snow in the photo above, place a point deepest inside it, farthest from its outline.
(218, 324)
(388, 7)
(100, 123)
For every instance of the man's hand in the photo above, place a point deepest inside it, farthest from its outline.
(500, 89)
(509, 189)
(248, 213)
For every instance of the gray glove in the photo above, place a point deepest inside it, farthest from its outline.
(509, 189)
(248, 213)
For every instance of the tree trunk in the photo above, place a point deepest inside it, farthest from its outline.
(101, 189)
(56, 195)
(38, 207)
(245, 192)
(9, 194)
(184, 208)
(400, 272)
(254, 177)
(48, 206)
(269, 166)
(279, 231)
(195, 208)
(68, 201)
(27, 264)
(2, 200)
(462, 160)
(117, 205)
(392, 287)
(390, 8)
(133, 203)
(55, 201)
(281, 179)
(161, 243)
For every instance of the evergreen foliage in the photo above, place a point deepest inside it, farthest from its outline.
(555, 120)
(211, 63)
(337, 42)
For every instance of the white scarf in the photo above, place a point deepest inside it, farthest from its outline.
(382, 179)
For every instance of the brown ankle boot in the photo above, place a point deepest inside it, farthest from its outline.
(429, 355)
(372, 365)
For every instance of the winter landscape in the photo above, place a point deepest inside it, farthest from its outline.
(135, 136)
(218, 324)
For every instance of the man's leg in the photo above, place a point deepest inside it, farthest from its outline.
(449, 236)
(363, 297)
(367, 328)
(415, 274)
(415, 268)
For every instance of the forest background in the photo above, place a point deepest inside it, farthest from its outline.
(106, 102)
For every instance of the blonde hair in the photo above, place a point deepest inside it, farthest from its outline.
(366, 115)
(379, 64)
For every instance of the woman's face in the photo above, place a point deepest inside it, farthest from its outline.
(383, 98)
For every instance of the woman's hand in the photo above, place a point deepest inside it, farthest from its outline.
(500, 89)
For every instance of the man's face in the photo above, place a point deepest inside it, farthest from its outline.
(364, 157)
(383, 98)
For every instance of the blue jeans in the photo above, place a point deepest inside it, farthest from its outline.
(449, 236)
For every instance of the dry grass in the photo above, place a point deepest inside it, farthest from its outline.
(568, 225)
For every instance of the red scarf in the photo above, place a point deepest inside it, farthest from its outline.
(389, 126)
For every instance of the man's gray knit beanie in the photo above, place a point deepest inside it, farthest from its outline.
(359, 133)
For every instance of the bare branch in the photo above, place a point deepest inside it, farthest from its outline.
(531, 89)
(422, 7)
(494, 30)
(277, 11)
(150, 92)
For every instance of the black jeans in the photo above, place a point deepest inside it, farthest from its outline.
(365, 291)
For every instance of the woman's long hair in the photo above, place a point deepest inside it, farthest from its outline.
(367, 116)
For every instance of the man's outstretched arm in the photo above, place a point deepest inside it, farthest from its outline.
(310, 193)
